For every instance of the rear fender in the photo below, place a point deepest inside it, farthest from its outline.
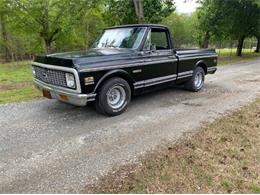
(202, 64)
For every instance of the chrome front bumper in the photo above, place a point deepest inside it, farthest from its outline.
(63, 95)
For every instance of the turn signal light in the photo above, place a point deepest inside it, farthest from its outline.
(64, 98)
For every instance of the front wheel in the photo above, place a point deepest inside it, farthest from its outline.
(113, 97)
(197, 81)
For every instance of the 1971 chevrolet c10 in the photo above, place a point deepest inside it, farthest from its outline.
(124, 61)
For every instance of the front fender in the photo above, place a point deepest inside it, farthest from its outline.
(115, 73)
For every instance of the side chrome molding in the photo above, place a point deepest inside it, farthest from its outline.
(164, 79)
(196, 57)
(185, 74)
(155, 81)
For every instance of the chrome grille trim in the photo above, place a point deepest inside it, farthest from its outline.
(54, 77)
(59, 71)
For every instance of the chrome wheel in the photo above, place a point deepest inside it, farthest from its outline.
(198, 81)
(116, 96)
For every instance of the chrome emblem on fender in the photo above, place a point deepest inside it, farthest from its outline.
(137, 70)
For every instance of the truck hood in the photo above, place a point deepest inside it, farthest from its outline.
(87, 58)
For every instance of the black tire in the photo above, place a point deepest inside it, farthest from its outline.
(192, 85)
(104, 103)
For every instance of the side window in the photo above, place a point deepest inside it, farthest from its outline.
(159, 38)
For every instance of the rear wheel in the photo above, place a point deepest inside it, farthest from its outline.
(197, 81)
(113, 97)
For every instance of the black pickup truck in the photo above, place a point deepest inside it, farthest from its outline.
(124, 61)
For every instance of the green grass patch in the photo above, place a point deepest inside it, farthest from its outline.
(15, 72)
(256, 188)
(16, 82)
(24, 93)
(232, 52)
(228, 56)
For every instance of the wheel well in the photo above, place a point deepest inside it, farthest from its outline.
(128, 79)
(203, 65)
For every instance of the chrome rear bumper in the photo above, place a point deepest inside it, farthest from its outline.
(212, 70)
(64, 96)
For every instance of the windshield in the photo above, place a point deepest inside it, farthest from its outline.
(128, 38)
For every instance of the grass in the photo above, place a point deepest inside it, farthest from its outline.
(16, 82)
(228, 56)
(16, 77)
(223, 157)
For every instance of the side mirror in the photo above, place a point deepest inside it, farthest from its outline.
(153, 47)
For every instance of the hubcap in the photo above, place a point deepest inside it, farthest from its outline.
(116, 96)
(198, 79)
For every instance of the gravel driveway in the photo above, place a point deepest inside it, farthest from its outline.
(50, 147)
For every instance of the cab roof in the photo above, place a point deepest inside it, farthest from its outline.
(138, 25)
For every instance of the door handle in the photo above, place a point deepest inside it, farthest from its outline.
(171, 57)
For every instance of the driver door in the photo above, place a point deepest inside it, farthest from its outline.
(159, 59)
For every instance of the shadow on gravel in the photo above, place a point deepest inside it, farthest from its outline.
(157, 99)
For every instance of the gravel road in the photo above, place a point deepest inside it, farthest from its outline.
(50, 147)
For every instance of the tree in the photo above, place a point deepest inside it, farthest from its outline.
(243, 17)
(4, 40)
(123, 11)
(84, 31)
(156, 10)
(139, 10)
(182, 28)
(48, 17)
(258, 44)
(119, 12)
(257, 35)
(236, 19)
(211, 22)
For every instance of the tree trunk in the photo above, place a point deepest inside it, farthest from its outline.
(205, 43)
(139, 10)
(47, 46)
(5, 38)
(87, 34)
(258, 45)
(240, 45)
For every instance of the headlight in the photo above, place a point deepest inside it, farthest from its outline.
(70, 80)
(33, 71)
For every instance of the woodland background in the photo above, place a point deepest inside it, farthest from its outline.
(32, 27)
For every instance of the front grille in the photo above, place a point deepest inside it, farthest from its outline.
(54, 77)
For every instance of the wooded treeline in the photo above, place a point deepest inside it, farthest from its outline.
(31, 27)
